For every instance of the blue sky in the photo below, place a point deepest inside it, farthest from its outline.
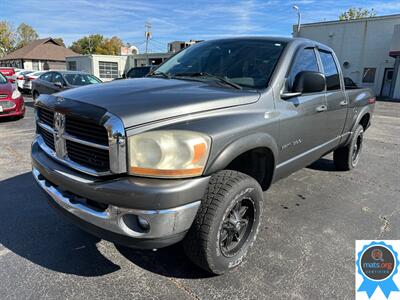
(175, 20)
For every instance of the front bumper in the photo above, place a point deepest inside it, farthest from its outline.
(17, 111)
(112, 208)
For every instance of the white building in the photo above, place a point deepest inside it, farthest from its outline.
(368, 50)
(108, 67)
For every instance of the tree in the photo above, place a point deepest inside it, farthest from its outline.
(25, 35)
(357, 13)
(7, 38)
(88, 44)
(97, 44)
(60, 41)
(110, 46)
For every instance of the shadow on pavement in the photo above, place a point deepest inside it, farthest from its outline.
(170, 262)
(31, 229)
(323, 164)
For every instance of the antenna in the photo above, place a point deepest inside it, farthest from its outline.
(148, 35)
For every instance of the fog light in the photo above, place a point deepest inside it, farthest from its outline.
(143, 223)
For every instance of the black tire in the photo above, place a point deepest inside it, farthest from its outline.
(347, 158)
(217, 228)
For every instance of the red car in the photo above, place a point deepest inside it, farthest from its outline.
(11, 100)
(8, 72)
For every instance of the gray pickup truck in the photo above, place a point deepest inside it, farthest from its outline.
(186, 153)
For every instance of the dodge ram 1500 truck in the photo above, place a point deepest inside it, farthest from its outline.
(186, 153)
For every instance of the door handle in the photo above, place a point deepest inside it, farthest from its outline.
(343, 103)
(321, 108)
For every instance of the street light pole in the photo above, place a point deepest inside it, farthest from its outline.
(295, 7)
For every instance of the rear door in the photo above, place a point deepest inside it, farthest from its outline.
(44, 84)
(335, 97)
(302, 117)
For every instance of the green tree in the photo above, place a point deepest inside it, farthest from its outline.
(25, 35)
(88, 44)
(60, 41)
(97, 44)
(357, 13)
(7, 38)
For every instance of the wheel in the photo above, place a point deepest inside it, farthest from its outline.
(35, 95)
(347, 158)
(226, 224)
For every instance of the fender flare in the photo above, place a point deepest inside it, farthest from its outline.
(240, 146)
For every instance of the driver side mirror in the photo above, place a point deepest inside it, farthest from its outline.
(306, 82)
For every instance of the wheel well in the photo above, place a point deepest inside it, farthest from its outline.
(365, 121)
(258, 163)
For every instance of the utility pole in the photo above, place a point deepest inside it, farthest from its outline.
(148, 36)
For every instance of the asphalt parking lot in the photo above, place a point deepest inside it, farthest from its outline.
(304, 251)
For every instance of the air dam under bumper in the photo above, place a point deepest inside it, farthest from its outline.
(119, 224)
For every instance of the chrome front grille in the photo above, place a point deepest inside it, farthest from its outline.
(83, 145)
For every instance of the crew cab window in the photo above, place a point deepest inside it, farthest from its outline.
(305, 60)
(330, 71)
(47, 76)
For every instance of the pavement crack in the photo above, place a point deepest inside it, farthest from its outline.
(386, 223)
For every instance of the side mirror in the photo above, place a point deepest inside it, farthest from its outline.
(306, 82)
(58, 84)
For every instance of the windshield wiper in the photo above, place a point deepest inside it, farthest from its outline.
(159, 73)
(219, 78)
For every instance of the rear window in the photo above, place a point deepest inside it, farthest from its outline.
(330, 70)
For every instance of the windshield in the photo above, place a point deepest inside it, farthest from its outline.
(3, 79)
(81, 79)
(245, 62)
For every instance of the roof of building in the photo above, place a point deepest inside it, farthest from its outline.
(350, 21)
(42, 49)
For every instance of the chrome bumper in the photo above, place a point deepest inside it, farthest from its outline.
(162, 223)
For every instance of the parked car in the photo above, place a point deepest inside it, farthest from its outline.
(20, 78)
(138, 72)
(29, 78)
(185, 154)
(349, 83)
(57, 81)
(8, 72)
(11, 100)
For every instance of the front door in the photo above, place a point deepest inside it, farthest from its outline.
(302, 119)
(387, 82)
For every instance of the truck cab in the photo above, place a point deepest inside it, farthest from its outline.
(185, 153)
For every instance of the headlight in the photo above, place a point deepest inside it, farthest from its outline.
(168, 154)
(16, 94)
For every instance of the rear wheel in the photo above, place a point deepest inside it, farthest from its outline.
(347, 158)
(227, 222)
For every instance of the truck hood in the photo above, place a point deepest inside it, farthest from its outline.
(139, 101)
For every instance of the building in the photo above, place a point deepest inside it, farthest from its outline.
(105, 67)
(177, 46)
(108, 67)
(368, 50)
(42, 54)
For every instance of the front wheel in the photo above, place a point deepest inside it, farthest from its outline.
(227, 222)
(347, 158)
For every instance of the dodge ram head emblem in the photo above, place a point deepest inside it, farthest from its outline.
(59, 129)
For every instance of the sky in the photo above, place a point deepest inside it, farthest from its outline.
(175, 20)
